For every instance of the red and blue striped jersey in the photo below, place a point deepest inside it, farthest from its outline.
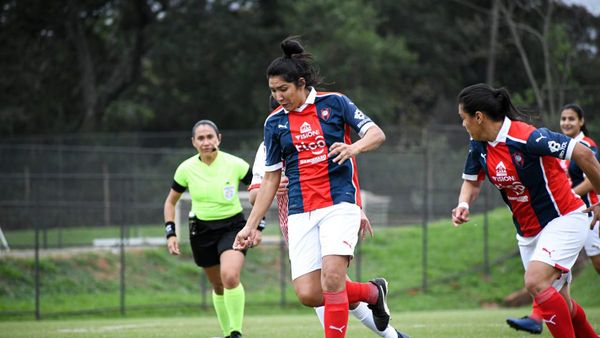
(301, 138)
(523, 163)
(576, 174)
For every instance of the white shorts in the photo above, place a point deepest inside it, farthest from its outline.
(558, 244)
(592, 243)
(323, 232)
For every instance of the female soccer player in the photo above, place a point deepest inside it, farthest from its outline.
(572, 124)
(551, 221)
(310, 133)
(212, 178)
(358, 310)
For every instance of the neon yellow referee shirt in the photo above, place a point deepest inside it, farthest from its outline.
(213, 188)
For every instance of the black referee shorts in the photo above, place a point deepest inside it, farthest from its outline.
(212, 238)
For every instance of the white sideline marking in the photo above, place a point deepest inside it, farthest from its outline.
(106, 328)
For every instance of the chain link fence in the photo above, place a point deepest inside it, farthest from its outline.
(74, 195)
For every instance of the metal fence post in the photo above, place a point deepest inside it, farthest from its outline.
(122, 272)
(424, 262)
(106, 188)
(37, 270)
(282, 271)
(486, 249)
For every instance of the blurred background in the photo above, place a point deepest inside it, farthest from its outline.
(98, 98)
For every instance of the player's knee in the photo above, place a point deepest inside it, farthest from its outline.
(534, 284)
(230, 278)
(308, 298)
(333, 281)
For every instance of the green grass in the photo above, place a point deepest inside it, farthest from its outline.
(156, 281)
(424, 324)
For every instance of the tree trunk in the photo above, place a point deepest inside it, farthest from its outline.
(523, 53)
(491, 64)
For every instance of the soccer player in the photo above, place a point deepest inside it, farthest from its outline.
(551, 220)
(358, 310)
(572, 124)
(212, 178)
(310, 133)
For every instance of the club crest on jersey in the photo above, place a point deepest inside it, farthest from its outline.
(228, 192)
(518, 159)
(325, 113)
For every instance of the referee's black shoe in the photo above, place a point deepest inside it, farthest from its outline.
(235, 334)
(381, 312)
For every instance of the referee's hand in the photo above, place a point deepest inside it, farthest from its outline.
(173, 245)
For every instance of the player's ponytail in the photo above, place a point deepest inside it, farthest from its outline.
(295, 64)
(495, 103)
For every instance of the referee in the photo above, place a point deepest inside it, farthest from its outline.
(212, 178)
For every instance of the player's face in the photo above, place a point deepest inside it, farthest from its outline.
(570, 123)
(287, 94)
(205, 139)
(470, 123)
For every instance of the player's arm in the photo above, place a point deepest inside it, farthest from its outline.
(169, 217)
(371, 140)
(584, 187)
(468, 193)
(585, 159)
(269, 185)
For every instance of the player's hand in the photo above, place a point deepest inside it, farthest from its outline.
(257, 238)
(173, 245)
(460, 215)
(283, 189)
(365, 226)
(342, 152)
(245, 238)
(595, 210)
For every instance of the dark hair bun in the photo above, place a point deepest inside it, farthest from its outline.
(291, 47)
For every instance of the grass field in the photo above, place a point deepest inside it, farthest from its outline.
(430, 324)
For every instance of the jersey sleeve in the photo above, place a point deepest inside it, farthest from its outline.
(473, 170)
(273, 156)
(544, 142)
(181, 175)
(258, 168)
(242, 168)
(354, 117)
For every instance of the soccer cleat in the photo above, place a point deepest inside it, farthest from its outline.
(402, 335)
(525, 324)
(381, 312)
(235, 334)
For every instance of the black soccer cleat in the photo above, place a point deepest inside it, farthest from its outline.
(381, 312)
(402, 334)
(235, 334)
(526, 323)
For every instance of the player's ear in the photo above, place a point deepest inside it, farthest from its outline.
(479, 117)
(301, 82)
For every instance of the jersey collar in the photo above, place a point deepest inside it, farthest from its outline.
(310, 99)
(503, 133)
(579, 136)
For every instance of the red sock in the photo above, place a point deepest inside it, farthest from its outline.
(361, 292)
(536, 313)
(336, 314)
(582, 327)
(555, 313)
